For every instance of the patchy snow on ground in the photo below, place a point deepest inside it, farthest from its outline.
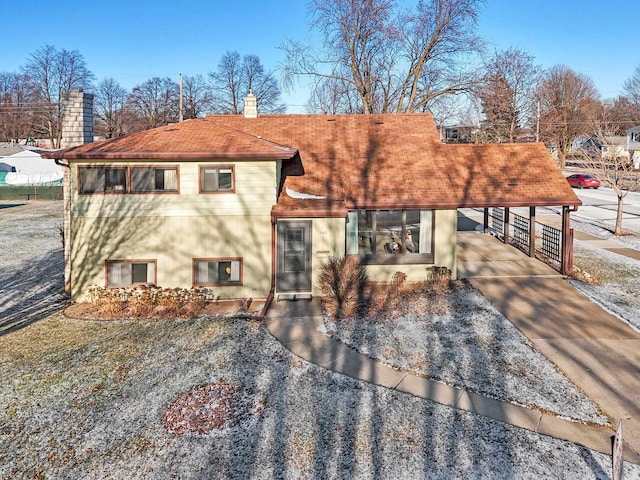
(618, 290)
(469, 345)
(87, 399)
(31, 262)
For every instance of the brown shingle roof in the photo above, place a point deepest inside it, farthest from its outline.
(357, 161)
(395, 161)
(191, 139)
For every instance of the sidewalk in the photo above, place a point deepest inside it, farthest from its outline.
(300, 328)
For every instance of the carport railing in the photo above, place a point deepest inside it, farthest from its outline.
(534, 238)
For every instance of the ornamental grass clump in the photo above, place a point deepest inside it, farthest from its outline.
(345, 286)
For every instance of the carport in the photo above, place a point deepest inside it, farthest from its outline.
(486, 242)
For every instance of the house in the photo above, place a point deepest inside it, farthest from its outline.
(251, 206)
(608, 147)
(29, 168)
(633, 139)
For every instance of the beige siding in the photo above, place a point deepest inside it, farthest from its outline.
(255, 182)
(328, 237)
(175, 228)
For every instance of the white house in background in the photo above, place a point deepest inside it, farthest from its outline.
(29, 168)
(633, 145)
(633, 139)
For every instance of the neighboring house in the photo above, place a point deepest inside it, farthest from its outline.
(633, 139)
(633, 145)
(251, 207)
(457, 133)
(9, 148)
(29, 168)
(610, 147)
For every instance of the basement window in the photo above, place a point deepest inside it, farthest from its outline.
(208, 272)
(130, 273)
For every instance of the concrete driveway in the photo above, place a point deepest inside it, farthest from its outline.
(596, 350)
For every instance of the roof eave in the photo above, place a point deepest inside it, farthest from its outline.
(70, 155)
(465, 203)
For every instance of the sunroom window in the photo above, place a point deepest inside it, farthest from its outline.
(405, 236)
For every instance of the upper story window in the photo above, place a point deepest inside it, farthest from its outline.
(102, 179)
(154, 179)
(217, 178)
(138, 179)
(391, 236)
(635, 136)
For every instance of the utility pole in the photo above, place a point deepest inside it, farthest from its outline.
(181, 117)
(538, 123)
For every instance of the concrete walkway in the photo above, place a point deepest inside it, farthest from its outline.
(597, 352)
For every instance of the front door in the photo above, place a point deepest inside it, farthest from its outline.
(293, 272)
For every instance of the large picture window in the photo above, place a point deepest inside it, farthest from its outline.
(217, 271)
(391, 236)
(216, 178)
(129, 273)
(142, 179)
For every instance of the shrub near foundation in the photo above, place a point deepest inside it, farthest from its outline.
(148, 302)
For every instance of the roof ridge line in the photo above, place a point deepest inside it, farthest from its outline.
(257, 137)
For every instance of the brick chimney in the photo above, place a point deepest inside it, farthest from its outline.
(250, 106)
(77, 120)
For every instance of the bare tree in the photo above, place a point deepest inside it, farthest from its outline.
(631, 88)
(109, 103)
(16, 108)
(568, 102)
(332, 96)
(235, 77)
(53, 73)
(608, 162)
(154, 103)
(197, 96)
(507, 94)
(393, 61)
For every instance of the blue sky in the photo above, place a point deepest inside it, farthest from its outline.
(134, 40)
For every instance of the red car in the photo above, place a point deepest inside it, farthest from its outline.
(580, 180)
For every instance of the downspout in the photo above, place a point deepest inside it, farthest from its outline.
(272, 290)
(66, 222)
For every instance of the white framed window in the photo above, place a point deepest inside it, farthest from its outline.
(129, 273)
(218, 178)
(217, 271)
